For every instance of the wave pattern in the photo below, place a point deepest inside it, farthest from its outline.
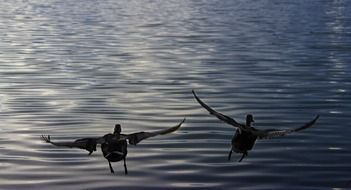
(75, 68)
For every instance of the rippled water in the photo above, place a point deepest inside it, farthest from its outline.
(75, 68)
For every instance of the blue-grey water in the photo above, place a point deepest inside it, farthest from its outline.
(73, 69)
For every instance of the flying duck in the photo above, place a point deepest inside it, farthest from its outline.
(246, 135)
(113, 145)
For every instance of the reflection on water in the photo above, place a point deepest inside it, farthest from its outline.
(74, 68)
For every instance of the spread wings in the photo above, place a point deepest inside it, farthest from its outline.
(88, 144)
(270, 133)
(135, 138)
(220, 116)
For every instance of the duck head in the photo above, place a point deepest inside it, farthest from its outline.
(117, 129)
(249, 120)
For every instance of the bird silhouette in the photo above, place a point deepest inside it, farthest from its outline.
(113, 145)
(245, 136)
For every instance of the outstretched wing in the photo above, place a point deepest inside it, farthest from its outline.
(88, 144)
(135, 138)
(270, 133)
(220, 116)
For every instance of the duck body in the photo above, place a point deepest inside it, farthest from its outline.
(243, 141)
(114, 150)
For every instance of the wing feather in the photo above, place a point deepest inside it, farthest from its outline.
(220, 116)
(135, 138)
(270, 133)
(88, 144)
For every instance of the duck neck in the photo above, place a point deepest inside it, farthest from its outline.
(248, 123)
(117, 135)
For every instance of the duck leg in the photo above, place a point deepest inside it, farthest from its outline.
(242, 157)
(125, 166)
(111, 169)
(230, 155)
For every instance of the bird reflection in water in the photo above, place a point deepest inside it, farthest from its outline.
(113, 145)
(246, 135)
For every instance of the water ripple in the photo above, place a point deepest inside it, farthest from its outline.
(73, 69)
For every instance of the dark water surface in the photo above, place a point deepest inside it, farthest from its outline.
(74, 68)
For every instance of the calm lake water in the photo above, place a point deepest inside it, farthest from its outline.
(73, 69)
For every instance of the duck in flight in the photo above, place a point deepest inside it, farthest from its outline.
(246, 135)
(113, 145)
